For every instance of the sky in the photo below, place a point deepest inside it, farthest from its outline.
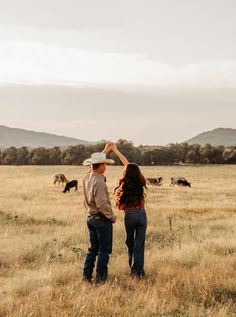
(150, 71)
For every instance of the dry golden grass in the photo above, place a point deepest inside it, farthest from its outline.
(190, 247)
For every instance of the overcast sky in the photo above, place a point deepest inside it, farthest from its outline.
(151, 71)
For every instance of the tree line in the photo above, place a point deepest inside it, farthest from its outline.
(171, 154)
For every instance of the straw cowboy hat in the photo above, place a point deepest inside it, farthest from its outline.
(98, 157)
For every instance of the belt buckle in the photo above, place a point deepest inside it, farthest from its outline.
(97, 217)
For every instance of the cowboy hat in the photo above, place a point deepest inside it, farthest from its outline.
(97, 158)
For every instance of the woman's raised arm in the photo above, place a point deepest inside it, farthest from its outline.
(119, 154)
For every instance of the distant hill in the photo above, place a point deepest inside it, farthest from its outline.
(20, 137)
(220, 136)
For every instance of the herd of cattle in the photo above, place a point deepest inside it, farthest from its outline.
(176, 180)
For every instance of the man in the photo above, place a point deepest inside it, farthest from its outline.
(100, 217)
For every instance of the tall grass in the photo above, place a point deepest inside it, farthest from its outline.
(190, 258)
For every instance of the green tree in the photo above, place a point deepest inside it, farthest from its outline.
(194, 154)
(39, 156)
(54, 156)
(129, 150)
(22, 156)
(9, 156)
(211, 154)
(75, 155)
(230, 155)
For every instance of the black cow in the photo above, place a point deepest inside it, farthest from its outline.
(69, 185)
(176, 180)
(155, 181)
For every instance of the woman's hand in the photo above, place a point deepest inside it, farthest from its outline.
(113, 147)
(118, 153)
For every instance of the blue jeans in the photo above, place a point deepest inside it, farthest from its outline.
(100, 236)
(135, 226)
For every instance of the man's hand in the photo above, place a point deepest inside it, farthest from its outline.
(107, 148)
(113, 219)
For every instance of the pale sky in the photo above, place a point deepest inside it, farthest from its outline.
(150, 71)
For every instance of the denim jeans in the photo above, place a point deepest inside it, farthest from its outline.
(100, 236)
(135, 226)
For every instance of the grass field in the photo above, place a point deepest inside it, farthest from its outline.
(190, 247)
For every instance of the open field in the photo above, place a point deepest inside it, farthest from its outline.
(190, 247)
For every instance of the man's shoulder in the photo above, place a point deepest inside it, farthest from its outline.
(95, 178)
(86, 177)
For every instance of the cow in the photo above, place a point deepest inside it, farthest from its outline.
(59, 178)
(69, 185)
(176, 180)
(155, 181)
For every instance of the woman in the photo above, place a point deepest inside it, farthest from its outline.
(130, 197)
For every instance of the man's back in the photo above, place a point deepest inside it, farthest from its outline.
(96, 197)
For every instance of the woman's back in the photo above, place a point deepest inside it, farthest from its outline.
(129, 194)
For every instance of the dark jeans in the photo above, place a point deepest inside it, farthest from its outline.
(100, 236)
(135, 226)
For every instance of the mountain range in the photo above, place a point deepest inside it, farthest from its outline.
(220, 136)
(21, 137)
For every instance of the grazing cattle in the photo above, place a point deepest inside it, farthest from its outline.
(71, 184)
(59, 178)
(155, 181)
(179, 181)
